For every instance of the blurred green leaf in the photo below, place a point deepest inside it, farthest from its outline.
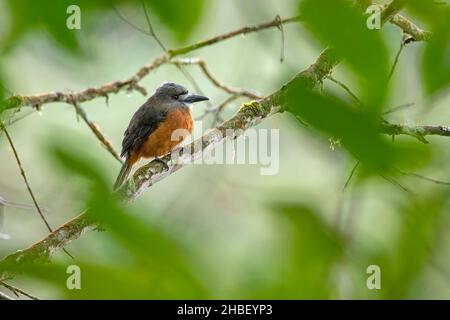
(80, 165)
(436, 57)
(112, 282)
(338, 24)
(402, 263)
(151, 246)
(3, 94)
(51, 16)
(312, 249)
(180, 16)
(159, 263)
(357, 130)
(436, 63)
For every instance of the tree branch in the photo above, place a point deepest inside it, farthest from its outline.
(208, 74)
(418, 132)
(96, 130)
(410, 28)
(25, 179)
(245, 30)
(391, 10)
(41, 251)
(131, 83)
(18, 291)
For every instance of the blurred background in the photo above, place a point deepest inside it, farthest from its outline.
(216, 231)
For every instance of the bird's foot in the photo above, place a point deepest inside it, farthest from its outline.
(165, 165)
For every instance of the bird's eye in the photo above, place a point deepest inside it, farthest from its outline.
(176, 97)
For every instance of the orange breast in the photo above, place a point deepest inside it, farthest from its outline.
(175, 128)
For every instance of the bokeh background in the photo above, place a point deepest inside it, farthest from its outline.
(216, 231)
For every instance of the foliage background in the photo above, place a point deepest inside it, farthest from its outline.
(215, 231)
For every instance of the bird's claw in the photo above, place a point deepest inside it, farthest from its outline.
(165, 165)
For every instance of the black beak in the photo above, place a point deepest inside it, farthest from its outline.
(194, 98)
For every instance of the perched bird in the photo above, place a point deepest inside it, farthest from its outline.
(149, 133)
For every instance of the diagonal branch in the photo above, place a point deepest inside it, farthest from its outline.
(410, 28)
(41, 251)
(25, 179)
(418, 132)
(217, 83)
(245, 30)
(18, 291)
(96, 130)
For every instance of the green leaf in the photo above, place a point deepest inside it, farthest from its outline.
(312, 249)
(436, 56)
(157, 258)
(436, 63)
(180, 16)
(357, 130)
(336, 23)
(3, 102)
(403, 262)
(118, 281)
(51, 16)
(80, 165)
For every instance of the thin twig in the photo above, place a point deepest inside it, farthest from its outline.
(130, 23)
(221, 106)
(415, 175)
(24, 176)
(151, 30)
(96, 130)
(280, 27)
(347, 89)
(17, 291)
(212, 78)
(245, 30)
(397, 56)
(340, 209)
(398, 108)
(347, 182)
(396, 183)
(185, 73)
(214, 110)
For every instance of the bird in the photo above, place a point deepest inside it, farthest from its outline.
(149, 133)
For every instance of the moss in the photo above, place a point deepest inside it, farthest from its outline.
(252, 109)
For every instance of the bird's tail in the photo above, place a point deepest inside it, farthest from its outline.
(123, 174)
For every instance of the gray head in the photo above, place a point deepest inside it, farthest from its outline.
(172, 92)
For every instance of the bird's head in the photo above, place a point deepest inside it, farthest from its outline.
(175, 93)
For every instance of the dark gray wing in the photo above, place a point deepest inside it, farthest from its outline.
(146, 120)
